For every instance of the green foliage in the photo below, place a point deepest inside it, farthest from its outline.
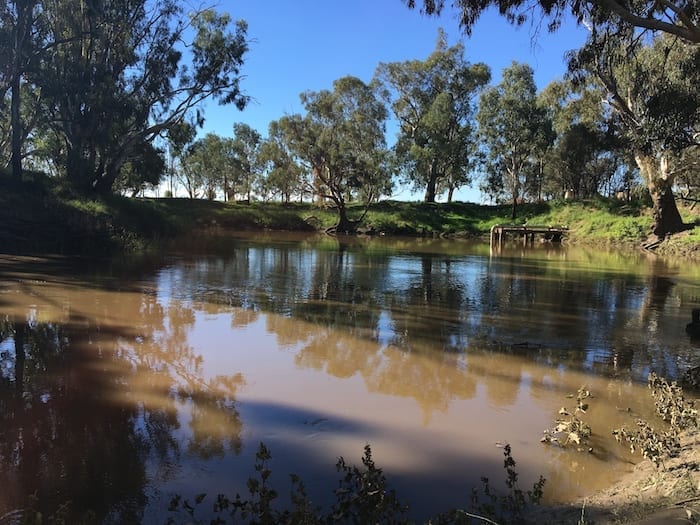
(506, 507)
(673, 408)
(674, 18)
(433, 101)
(599, 220)
(284, 177)
(41, 214)
(586, 158)
(570, 429)
(341, 140)
(657, 118)
(362, 497)
(210, 164)
(113, 79)
(513, 129)
(247, 166)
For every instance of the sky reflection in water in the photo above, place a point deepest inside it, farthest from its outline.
(166, 378)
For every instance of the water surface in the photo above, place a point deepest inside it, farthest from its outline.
(125, 382)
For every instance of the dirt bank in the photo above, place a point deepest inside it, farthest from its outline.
(647, 496)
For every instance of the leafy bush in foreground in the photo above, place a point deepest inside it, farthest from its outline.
(672, 407)
(362, 497)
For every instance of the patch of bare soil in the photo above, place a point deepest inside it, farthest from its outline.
(678, 246)
(648, 495)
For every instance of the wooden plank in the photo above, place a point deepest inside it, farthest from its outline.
(498, 231)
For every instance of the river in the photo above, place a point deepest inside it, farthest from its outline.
(124, 382)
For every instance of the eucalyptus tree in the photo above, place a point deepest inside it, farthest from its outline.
(210, 164)
(246, 150)
(588, 152)
(177, 138)
(144, 170)
(21, 39)
(283, 174)
(190, 173)
(645, 91)
(651, 83)
(123, 72)
(679, 18)
(433, 101)
(511, 125)
(341, 140)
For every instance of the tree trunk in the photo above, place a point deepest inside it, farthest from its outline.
(16, 125)
(345, 225)
(430, 188)
(515, 193)
(76, 167)
(667, 218)
(21, 34)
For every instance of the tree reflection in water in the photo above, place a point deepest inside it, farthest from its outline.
(86, 405)
(104, 396)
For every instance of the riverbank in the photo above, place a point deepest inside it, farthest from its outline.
(38, 217)
(665, 486)
(567, 288)
(648, 495)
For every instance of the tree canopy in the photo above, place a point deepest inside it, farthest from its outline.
(646, 55)
(433, 101)
(676, 17)
(115, 75)
(652, 86)
(512, 127)
(341, 140)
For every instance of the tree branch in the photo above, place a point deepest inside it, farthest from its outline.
(689, 33)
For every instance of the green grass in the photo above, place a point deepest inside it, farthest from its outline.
(41, 215)
(599, 221)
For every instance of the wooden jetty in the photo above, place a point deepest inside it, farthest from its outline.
(527, 232)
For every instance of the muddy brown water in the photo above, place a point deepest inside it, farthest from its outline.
(124, 382)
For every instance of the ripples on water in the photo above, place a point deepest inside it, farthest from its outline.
(120, 387)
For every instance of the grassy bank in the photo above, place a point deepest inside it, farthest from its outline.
(38, 216)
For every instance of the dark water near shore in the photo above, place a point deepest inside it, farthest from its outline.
(124, 382)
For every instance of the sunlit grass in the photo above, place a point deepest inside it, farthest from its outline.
(60, 218)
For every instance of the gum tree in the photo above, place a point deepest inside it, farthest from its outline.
(246, 150)
(127, 71)
(341, 140)
(588, 152)
(21, 40)
(652, 86)
(655, 98)
(511, 125)
(680, 18)
(433, 101)
(284, 175)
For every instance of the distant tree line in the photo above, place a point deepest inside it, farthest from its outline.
(106, 95)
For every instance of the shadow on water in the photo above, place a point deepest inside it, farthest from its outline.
(77, 424)
(76, 428)
(106, 402)
(61, 439)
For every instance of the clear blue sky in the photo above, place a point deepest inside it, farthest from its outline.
(299, 45)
